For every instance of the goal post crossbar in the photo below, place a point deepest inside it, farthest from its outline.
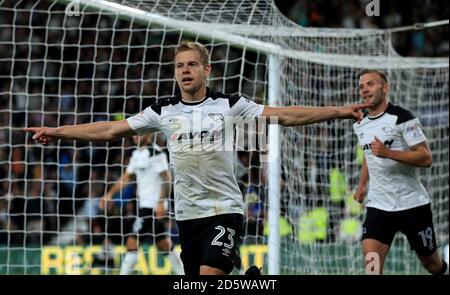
(216, 32)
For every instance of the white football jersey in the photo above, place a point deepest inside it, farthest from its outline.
(204, 181)
(147, 163)
(393, 186)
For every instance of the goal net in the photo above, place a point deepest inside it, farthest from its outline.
(73, 62)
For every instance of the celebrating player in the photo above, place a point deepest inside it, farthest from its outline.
(394, 145)
(208, 202)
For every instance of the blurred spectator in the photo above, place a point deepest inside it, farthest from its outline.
(35, 212)
(351, 14)
(253, 190)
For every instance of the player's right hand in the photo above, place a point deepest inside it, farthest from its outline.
(359, 195)
(105, 202)
(160, 209)
(42, 134)
(353, 111)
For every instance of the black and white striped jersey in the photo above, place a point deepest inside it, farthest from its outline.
(204, 181)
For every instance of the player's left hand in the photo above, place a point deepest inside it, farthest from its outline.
(359, 195)
(354, 111)
(378, 148)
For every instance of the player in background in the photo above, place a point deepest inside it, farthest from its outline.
(150, 167)
(208, 203)
(394, 148)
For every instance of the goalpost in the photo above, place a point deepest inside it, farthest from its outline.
(71, 62)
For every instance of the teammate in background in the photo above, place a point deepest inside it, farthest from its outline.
(151, 169)
(394, 145)
(208, 202)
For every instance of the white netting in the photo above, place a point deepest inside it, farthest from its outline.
(105, 65)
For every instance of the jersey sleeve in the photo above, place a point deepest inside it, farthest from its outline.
(244, 107)
(412, 132)
(144, 122)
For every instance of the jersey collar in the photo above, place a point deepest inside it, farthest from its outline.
(193, 103)
(380, 115)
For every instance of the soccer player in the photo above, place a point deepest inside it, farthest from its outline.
(394, 148)
(208, 202)
(151, 169)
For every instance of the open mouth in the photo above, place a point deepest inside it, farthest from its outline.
(187, 80)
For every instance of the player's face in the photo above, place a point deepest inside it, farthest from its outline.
(190, 73)
(373, 89)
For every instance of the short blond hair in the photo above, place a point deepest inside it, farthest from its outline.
(200, 48)
(371, 71)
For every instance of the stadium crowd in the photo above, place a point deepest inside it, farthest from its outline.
(46, 190)
(393, 14)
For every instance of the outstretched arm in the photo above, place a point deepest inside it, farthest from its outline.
(294, 116)
(98, 131)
